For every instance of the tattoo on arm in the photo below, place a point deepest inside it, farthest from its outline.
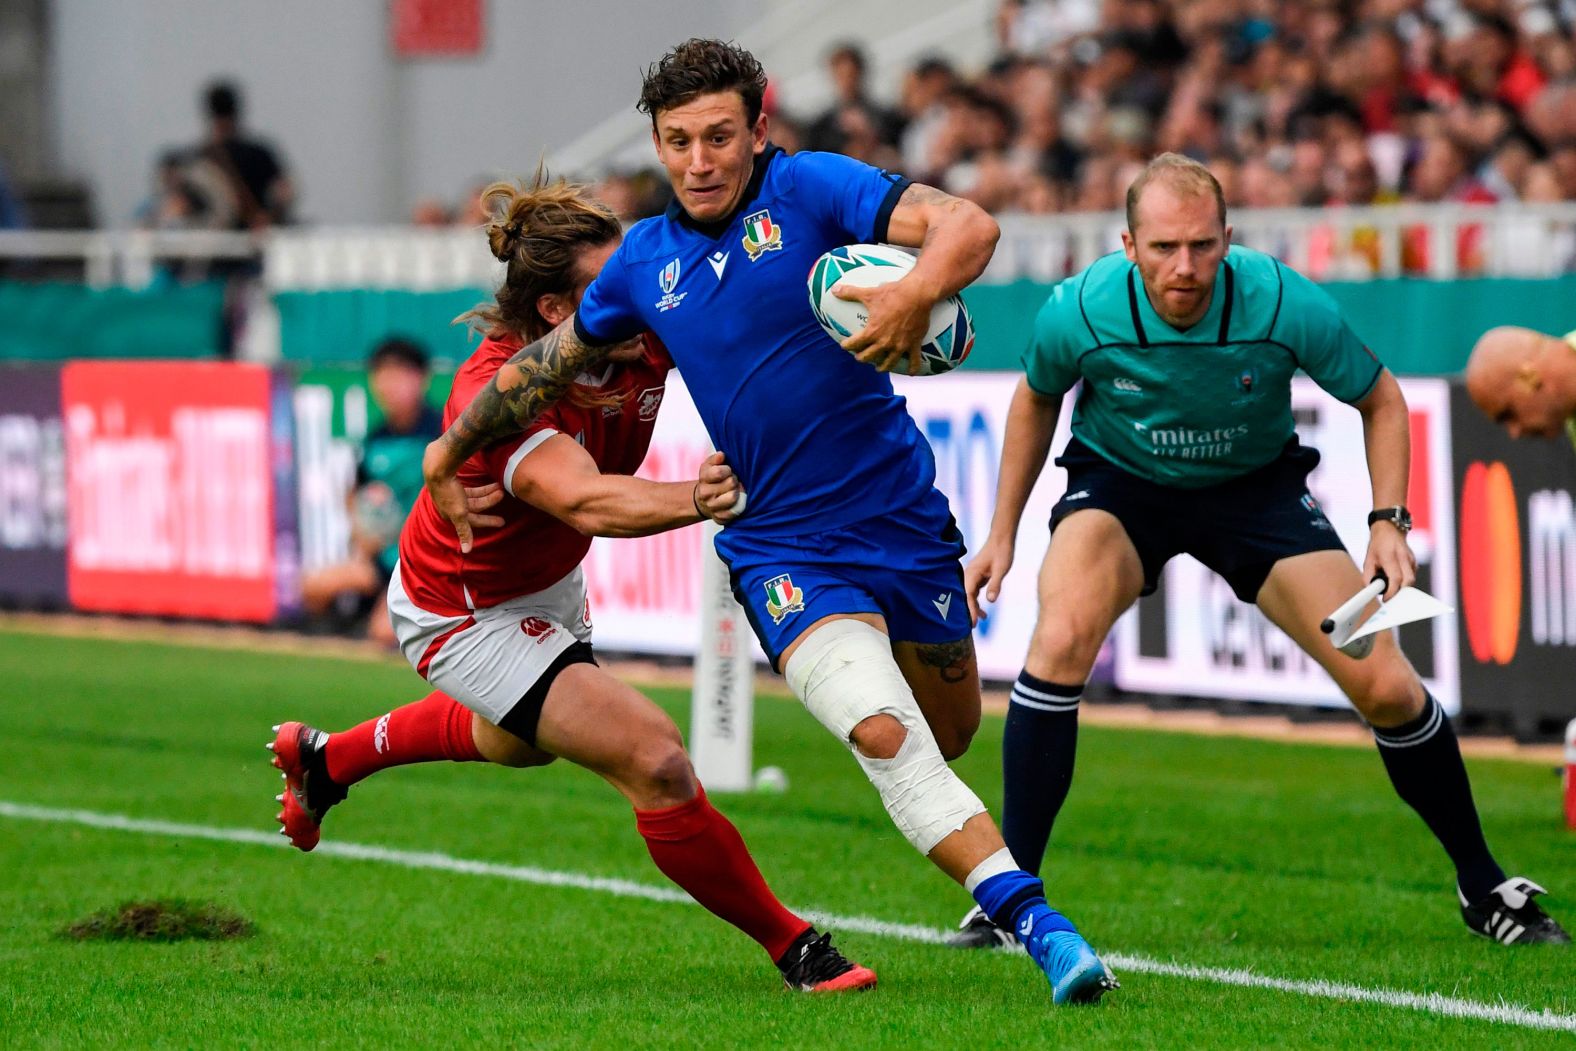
(953, 661)
(918, 195)
(525, 386)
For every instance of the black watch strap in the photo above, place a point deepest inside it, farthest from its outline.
(1399, 517)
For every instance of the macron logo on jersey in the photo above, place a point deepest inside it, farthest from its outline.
(943, 604)
(719, 262)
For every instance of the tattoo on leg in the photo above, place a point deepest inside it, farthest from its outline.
(953, 661)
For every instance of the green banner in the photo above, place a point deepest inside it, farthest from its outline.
(53, 321)
(1416, 326)
(342, 326)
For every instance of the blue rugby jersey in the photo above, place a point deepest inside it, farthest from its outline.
(817, 439)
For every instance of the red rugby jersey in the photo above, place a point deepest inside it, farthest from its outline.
(531, 550)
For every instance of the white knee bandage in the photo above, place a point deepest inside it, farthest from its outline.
(844, 673)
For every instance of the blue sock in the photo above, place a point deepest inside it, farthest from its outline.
(1011, 898)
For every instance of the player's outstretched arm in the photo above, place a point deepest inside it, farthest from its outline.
(1031, 423)
(561, 478)
(524, 386)
(956, 239)
(1387, 439)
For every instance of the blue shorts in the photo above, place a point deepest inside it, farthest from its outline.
(1239, 528)
(904, 566)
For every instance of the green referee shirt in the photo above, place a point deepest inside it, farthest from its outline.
(1199, 407)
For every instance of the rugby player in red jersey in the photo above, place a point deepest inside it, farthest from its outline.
(503, 631)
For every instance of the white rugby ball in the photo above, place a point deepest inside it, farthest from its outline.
(950, 336)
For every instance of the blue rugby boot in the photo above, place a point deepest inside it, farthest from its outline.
(1015, 901)
(1076, 974)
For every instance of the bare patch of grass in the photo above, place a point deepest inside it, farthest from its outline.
(162, 920)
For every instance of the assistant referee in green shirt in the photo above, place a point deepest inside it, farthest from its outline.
(1182, 442)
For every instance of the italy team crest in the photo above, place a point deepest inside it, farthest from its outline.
(782, 598)
(761, 235)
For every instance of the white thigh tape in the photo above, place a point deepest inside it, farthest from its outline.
(844, 673)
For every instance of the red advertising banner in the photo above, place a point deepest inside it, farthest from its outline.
(436, 27)
(171, 488)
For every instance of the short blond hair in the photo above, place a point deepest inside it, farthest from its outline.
(1182, 174)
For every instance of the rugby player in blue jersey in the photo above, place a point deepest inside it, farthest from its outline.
(847, 558)
(1182, 442)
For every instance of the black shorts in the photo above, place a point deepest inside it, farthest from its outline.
(1239, 528)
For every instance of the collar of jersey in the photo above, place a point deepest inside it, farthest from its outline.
(752, 190)
(1214, 327)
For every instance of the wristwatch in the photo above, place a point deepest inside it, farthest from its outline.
(1399, 517)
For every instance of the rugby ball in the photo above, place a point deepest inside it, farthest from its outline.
(950, 336)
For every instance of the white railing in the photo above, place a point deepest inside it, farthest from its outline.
(379, 257)
(127, 257)
(1433, 241)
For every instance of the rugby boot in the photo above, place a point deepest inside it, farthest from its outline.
(309, 791)
(976, 931)
(1508, 915)
(1076, 974)
(811, 965)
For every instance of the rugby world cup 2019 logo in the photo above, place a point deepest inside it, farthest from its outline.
(669, 280)
(761, 235)
(782, 598)
(1244, 384)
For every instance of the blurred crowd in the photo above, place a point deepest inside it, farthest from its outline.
(1289, 103)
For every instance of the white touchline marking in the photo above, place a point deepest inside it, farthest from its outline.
(1430, 1003)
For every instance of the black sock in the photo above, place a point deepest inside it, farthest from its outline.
(1424, 763)
(1037, 753)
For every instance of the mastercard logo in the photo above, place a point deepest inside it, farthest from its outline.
(1490, 563)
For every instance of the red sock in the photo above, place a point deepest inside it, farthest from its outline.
(700, 850)
(433, 729)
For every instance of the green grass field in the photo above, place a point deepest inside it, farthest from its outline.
(1294, 862)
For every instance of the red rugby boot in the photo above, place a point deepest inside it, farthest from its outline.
(309, 791)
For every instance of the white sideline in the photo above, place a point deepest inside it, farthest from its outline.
(1429, 1003)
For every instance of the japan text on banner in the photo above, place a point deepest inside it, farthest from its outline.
(180, 483)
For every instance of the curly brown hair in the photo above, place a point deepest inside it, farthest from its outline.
(539, 230)
(700, 67)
